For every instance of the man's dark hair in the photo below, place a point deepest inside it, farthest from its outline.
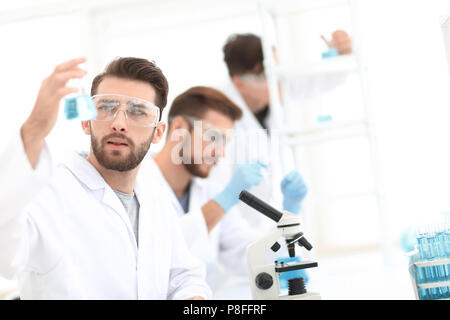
(196, 101)
(136, 69)
(243, 54)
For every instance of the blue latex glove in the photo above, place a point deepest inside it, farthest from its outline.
(285, 276)
(244, 177)
(294, 191)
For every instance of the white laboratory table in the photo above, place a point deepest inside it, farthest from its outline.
(356, 277)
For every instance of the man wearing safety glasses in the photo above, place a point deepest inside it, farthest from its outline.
(200, 128)
(95, 230)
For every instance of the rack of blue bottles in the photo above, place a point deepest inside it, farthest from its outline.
(430, 263)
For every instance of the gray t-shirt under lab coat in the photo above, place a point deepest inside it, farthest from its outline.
(131, 204)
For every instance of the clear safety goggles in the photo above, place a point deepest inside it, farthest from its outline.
(210, 133)
(138, 112)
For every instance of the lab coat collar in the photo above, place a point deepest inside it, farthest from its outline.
(196, 184)
(156, 173)
(150, 164)
(145, 183)
(88, 175)
(84, 171)
(91, 178)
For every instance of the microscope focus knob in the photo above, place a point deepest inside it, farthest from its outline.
(264, 281)
(276, 246)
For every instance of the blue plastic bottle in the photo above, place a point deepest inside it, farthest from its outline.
(81, 107)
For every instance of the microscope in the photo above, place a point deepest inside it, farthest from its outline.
(263, 276)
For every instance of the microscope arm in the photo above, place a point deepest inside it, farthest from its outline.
(262, 245)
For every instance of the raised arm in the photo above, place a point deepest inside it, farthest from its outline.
(45, 112)
(25, 168)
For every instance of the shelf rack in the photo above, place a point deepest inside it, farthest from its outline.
(280, 74)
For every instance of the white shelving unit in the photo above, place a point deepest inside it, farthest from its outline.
(339, 64)
(324, 132)
(280, 72)
(445, 25)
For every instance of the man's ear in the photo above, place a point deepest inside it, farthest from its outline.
(178, 122)
(159, 132)
(86, 127)
(178, 129)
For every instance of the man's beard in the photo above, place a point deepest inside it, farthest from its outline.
(193, 168)
(114, 161)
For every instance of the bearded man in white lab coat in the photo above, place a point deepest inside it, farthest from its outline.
(95, 230)
(200, 124)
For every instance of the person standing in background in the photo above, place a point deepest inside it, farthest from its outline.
(248, 88)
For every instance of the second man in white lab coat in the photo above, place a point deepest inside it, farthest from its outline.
(200, 124)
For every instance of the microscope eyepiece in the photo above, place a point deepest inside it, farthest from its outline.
(303, 242)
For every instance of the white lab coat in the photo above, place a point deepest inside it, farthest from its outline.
(225, 244)
(72, 239)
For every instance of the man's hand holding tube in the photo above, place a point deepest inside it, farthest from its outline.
(244, 177)
(45, 112)
(294, 191)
